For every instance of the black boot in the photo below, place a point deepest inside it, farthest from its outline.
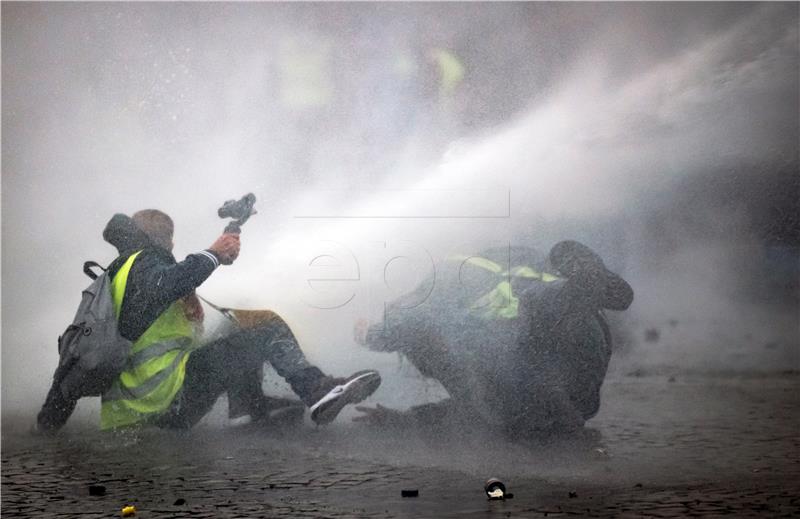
(267, 411)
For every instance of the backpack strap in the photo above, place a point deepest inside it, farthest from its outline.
(227, 312)
(88, 266)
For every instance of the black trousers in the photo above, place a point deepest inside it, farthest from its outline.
(57, 407)
(540, 371)
(234, 365)
(563, 351)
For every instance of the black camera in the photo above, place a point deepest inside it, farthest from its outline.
(240, 210)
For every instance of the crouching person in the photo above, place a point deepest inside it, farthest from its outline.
(522, 348)
(170, 380)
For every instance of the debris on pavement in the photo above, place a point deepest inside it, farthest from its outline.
(97, 490)
(495, 489)
(409, 493)
(179, 502)
(128, 511)
(573, 494)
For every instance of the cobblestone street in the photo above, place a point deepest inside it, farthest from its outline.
(737, 452)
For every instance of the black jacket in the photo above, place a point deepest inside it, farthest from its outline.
(156, 280)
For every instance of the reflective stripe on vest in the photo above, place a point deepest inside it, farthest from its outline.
(500, 302)
(156, 367)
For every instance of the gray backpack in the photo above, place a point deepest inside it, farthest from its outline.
(91, 351)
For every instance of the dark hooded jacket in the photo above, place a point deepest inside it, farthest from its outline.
(525, 372)
(156, 279)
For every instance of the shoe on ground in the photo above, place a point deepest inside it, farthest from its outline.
(270, 411)
(285, 416)
(240, 421)
(335, 393)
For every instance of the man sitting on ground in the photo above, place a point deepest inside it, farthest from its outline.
(170, 380)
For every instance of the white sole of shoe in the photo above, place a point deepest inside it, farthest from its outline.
(240, 421)
(354, 391)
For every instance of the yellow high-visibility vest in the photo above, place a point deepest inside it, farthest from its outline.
(156, 367)
(500, 302)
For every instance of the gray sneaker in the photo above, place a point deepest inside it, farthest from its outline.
(335, 393)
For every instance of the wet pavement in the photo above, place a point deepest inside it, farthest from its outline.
(662, 446)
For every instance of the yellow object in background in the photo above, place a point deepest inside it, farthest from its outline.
(451, 71)
(128, 511)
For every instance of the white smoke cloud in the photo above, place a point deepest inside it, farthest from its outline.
(115, 107)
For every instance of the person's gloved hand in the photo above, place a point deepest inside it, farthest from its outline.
(381, 416)
(226, 248)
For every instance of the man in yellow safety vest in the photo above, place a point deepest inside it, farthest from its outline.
(170, 380)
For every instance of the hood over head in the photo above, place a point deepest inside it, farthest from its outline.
(122, 233)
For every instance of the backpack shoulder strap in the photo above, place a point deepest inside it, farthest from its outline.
(88, 266)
